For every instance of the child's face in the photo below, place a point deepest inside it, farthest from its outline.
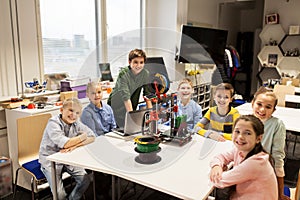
(244, 137)
(95, 94)
(185, 91)
(263, 107)
(70, 113)
(137, 65)
(223, 98)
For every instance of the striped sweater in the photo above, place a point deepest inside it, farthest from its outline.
(213, 121)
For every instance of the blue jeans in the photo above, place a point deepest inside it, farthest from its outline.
(79, 174)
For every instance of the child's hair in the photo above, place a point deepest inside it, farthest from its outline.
(185, 80)
(258, 128)
(225, 86)
(137, 53)
(71, 101)
(93, 84)
(267, 92)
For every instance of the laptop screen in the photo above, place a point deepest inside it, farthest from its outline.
(134, 121)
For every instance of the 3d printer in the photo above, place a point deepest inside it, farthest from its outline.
(163, 120)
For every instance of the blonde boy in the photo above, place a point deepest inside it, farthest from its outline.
(64, 133)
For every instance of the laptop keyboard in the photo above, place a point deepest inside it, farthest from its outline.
(119, 131)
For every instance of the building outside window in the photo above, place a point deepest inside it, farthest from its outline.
(69, 35)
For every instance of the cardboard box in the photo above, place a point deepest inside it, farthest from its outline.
(290, 81)
(68, 95)
(10, 105)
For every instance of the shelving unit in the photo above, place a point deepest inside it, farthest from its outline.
(202, 83)
(202, 95)
(263, 55)
(290, 65)
(286, 62)
(289, 43)
(273, 32)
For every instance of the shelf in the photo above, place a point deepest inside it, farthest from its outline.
(263, 55)
(271, 31)
(290, 65)
(288, 45)
(268, 73)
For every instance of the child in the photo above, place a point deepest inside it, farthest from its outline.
(64, 133)
(252, 173)
(98, 116)
(186, 105)
(221, 117)
(125, 96)
(263, 105)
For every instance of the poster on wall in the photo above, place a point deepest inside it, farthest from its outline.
(272, 60)
(272, 18)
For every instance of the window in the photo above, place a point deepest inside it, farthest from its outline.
(123, 32)
(69, 35)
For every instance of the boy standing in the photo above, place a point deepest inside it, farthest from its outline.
(64, 133)
(125, 96)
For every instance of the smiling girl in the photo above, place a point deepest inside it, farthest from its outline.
(273, 141)
(252, 174)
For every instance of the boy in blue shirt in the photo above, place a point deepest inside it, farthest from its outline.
(186, 105)
(98, 115)
(64, 133)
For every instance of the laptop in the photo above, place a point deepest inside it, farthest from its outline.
(133, 123)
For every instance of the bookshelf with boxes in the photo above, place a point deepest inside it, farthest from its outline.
(201, 77)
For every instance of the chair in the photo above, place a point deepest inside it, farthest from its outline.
(30, 133)
(281, 91)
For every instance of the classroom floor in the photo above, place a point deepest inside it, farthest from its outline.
(127, 193)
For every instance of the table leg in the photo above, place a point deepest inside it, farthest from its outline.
(94, 185)
(53, 175)
(119, 187)
(113, 190)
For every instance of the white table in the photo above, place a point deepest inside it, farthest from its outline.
(292, 98)
(289, 116)
(182, 172)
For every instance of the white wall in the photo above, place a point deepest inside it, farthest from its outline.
(162, 30)
(203, 12)
(288, 11)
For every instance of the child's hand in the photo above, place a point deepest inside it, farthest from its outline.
(88, 140)
(68, 149)
(283, 197)
(216, 174)
(216, 136)
(82, 136)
